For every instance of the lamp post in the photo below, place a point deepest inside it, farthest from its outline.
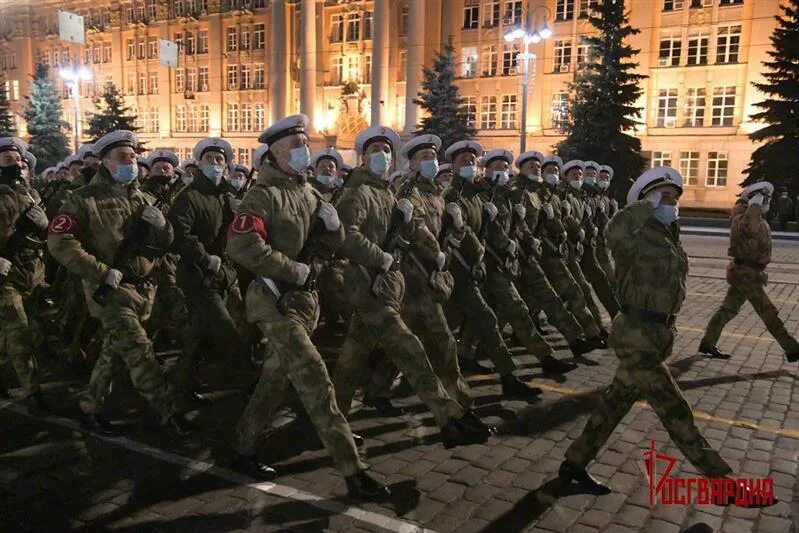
(529, 33)
(74, 76)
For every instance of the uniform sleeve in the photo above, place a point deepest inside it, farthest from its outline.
(248, 241)
(497, 237)
(332, 240)
(182, 216)
(750, 220)
(9, 211)
(64, 241)
(571, 222)
(626, 222)
(423, 243)
(357, 247)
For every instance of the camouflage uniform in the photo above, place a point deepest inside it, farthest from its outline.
(366, 209)
(607, 207)
(274, 221)
(85, 237)
(750, 248)
(20, 335)
(652, 268)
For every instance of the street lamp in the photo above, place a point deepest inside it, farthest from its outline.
(74, 76)
(529, 33)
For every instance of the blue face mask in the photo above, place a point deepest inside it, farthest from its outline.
(325, 180)
(300, 159)
(428, 169)
(468, 173)
(126, 173)
(500, 177)
(590, 180)
(667, 213)
(213, 172)
(379, 163)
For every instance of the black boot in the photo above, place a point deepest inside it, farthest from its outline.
(358, 440)
(182, 425)
(470, 417)
(569, 473)
(252, 466)
(582, 346)
(792, 357)
(604, 335)
(598, 342)
(459, 433)
(471, 366)
(513, 387)
(713, 352)
(550, 365)
(383, 406)
(98, 424)
(362, 486)
(39, 403)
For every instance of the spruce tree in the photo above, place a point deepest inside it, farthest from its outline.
(602, 110)
(45, 126)
(112, 114)
(776, 160)
(8, 127)
(440, 97)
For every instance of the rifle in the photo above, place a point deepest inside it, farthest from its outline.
(24, 236)
(501, 263)
(133, 245)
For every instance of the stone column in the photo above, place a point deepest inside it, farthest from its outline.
(308, 60)
(415, 58)
(380, 46)
(279, 61)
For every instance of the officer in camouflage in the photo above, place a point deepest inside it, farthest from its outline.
(750, 249)
(607, 209)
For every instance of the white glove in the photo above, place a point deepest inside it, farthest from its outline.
(588, 211)
(757, 199)
(214, 263)
(37, 215)
(491, 210)
(5, 266)
(614, 204)
(153, 216)
(653, 197)
(301, 270)
(235, 203)
(455, 212)
(441, 260)
(329, 216)
(581, 235)
(520, 211)
(388, 260)
(406, 208)
(602, 207)
(548, 211)
(511, 249)
(113, 278)
(566, 208)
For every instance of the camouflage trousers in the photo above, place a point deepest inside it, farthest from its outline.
(606, 263)
(426, 319)
(292, 359)
(599, 281)
(169, 314)
(756, 295)
(125, 342)
(18, 339)
(539, 295)
(478, 324)
(642, 374)
(579, 277)
(333, 293)
(571, 293)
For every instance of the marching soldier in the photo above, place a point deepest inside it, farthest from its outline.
(200, 217)
(64, 186)
(750, 249)
(190, 171)
(96, 236)
(651, 268)
(379, 228)
(444, 176)
(276, 219)
(143, 169)
(22, 225)
(607, 207)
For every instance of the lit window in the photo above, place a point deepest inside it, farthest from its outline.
(716, 169)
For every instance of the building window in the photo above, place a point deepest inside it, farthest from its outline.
(353, 69)
(564, 10)
(107, 53)
(260, 117)
(243, 157)
(180, 118)
(233, 117)
(131, 49)
(723, 106)
(153, 83)
(471, 17)
(670, 49)
(513, 13)
(205, 120)
(673, 5)
(246, 117)
(403, 26)
(353, 27)
(245, 38)
(152, 49)
(508, 112)
(689, 167)
(367, 25)
(190, 44)
(694, 108)
(337, 71)
(203, 79)
(469, 64)
(202, 42)
(667, 108)
(491, 14)
(723, 3)
(585, 8)
(232, 39)
(177, 8)
(488, 113)
(727, 44)
(403, 66)
(560, 110)
(697, 48)
(367, 69)
(509, 53)
(259, 37)
(490, 58)
(232, 77)
(661, 159)
(245, 77)
(140, 48)
(191, 80)
(192, 118)
(142, 83)
(716, 169)
(582, 55)
(152, 9)
(563, 56)
(179, 77)
(258, 76)
(470, 107)
(337, 28)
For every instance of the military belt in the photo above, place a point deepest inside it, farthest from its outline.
(648, 315)
(752, 264)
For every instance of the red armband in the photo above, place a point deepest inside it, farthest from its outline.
(63, 224)
(245, 223)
